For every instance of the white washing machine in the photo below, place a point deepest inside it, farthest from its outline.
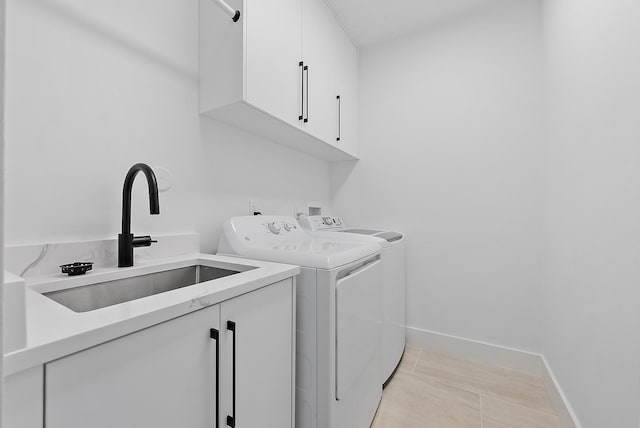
(338, 310)
(393, 283)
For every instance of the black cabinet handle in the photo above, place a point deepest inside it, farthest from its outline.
(306, 68)
(215, 334)
(231, 420)
(339, 117)
(301, 65)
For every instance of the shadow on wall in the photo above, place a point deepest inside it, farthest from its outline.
(244, 164)
(94, 27)
(340, 173)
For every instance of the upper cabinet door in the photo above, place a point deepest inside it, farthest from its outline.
(318, 54)
(346, 88)
(273, 51)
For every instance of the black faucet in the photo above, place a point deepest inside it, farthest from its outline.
(126, 241)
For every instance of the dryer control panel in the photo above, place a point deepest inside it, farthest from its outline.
(318, 223)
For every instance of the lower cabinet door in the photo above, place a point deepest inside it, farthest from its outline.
(257, 361)
(161, 377)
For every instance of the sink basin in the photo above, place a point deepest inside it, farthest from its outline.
(100, 295)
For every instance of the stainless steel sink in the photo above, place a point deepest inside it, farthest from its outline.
(100, 295)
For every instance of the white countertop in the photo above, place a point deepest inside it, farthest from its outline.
(54, 331)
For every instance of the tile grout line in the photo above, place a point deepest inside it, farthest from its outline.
(450, 385)
(485, 365)
(415, 363)
(511, 403)
(478, 392)
(482, 399)
(488, 394)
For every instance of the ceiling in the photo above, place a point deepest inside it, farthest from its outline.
(371, 21)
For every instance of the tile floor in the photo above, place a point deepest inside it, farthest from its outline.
(433, 390)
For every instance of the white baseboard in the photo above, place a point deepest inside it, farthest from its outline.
(478, 351)
(502, 356)
(566, 414)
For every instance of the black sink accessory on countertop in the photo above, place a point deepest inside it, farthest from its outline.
(77, 268)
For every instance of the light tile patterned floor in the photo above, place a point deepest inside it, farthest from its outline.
(433, 390)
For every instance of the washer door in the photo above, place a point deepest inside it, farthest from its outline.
(358, 326)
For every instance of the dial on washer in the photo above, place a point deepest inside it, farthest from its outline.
(274, 227)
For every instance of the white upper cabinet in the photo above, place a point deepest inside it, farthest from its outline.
(346, 96)
(273, 49)
(332, 77)
(318, 53)
(277, 73)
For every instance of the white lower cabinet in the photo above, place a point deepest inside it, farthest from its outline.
(264, 359)
(163, 376)
(226, 365)
(23, 399)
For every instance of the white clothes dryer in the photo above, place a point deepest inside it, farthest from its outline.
(338, 316)
(393, 283)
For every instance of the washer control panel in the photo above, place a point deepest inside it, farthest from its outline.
(317, 223)
(268, 228)
(282, 226)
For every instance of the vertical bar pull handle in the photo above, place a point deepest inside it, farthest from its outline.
(231, 419)
(306, 68)
(215, 335)
(339, 117)
(301, 65)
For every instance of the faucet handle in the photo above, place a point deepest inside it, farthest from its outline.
(142, 241)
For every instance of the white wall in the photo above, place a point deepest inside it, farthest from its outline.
(451, 155)
(592, 290)
(2, 62)
(95, 86)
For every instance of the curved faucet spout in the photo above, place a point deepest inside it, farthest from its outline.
(154, 203)
(126, 240)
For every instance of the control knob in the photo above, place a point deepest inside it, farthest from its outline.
(274, 227)
(288, 227)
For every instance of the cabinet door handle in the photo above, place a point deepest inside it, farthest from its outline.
(301, 65)
(231, 419)
(306, 68)
(215, 335)
(339, 117)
